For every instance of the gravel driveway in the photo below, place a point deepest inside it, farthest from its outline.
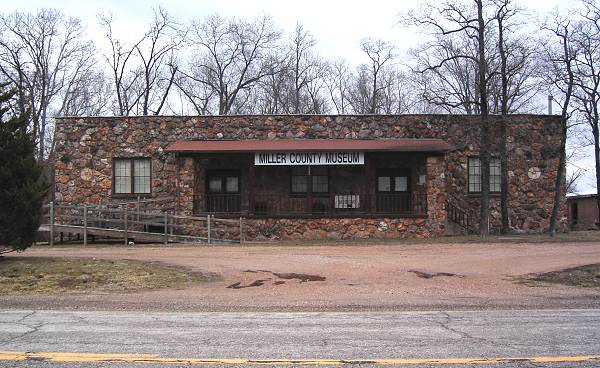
(357, 277)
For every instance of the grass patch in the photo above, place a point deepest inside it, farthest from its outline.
(583, 276)
(41, 275)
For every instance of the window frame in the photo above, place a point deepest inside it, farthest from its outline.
(393, 174)
(132, 193)
(223, 174)
(309, 181)
(499, 176)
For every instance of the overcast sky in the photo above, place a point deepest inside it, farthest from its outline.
(337, 25)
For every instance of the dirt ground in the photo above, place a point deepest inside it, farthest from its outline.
(338, 277)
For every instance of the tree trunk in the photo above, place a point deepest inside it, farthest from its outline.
(597, 159)
(503, 134)
(484, 141)
(504, 185)
(560, 177)
(563, 139)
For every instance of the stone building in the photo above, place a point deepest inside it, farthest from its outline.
(313, 176)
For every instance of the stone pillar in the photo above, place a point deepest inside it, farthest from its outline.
(185, 185)
(436, 195)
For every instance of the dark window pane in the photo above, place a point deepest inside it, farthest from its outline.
(400, 184)
(384, 183)
(299, 184)
(232, 184)
(320, 184)
(214, 184)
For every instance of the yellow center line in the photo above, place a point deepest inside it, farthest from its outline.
(157, 359)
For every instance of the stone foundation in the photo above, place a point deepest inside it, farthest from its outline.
(340, 228)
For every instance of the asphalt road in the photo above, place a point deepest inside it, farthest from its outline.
(289, 336)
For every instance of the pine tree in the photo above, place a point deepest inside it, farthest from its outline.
(22, 189)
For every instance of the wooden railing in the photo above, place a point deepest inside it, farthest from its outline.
(395, 204)
(123, 222)
(459, 216)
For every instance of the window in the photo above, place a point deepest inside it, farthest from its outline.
(475, 175)
(223, 182)
(313, 179)
(320, 179)
(392, 181)
(393, 191)
(131, 175)
(299, 180)
(223, 191)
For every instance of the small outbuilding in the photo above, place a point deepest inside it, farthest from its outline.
(583, 212)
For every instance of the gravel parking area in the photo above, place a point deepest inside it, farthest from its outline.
(341, 277)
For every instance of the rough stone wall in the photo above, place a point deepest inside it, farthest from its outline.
(337, 228)
(85, 148)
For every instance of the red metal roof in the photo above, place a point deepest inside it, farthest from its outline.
(311, 145)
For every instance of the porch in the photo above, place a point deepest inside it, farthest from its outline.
(313, 178)
(386, 185)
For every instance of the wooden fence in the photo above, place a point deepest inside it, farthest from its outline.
(120, 221)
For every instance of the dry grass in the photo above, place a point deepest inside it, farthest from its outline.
(582, 276)
(41, 275)
(570, 237)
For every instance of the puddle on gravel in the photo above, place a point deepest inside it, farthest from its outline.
(303, 277)
(429, 275)
(238, 285)
(300, 276)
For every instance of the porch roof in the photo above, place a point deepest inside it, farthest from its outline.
(310, 145)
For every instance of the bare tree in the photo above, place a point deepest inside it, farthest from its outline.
(199, 95)
(446, 79)
(586, 96)
(119, 60)
(560, 78)
(87, 95)
(368, 86)
(468, 19)
(144, 73)
(338, 81)
(575, 175)
(159, 63)
(232, 56)
(44, 55)
(304, 67)
(295, 81)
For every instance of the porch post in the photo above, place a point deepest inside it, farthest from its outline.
(436, 195)
(250, 190)
(185, 182)
(368, 183)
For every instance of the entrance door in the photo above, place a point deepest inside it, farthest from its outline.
(223, 191)
(393, 191)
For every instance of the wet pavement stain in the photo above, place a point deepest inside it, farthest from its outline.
(300, 276)
(429, 275)
(284, 276)
(238, 285)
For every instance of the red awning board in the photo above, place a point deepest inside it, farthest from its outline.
(310, 145)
